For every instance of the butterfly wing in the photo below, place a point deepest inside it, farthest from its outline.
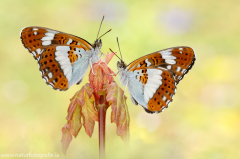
(152, 88)
(177, 60)
(59, 55)
(152, 79)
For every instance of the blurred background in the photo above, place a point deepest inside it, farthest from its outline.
(203, 121)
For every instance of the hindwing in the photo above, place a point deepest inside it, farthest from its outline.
(158, 86)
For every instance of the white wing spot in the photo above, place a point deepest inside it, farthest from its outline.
(164, 98)
(52, 31)
(45, 78)
(35, 28)
(183, 71)
(169, 67)
(164, 109)
(50, 74)
(33, 52)
(153, 83)
(46, 43)
(148, 63)
(35, 33)
(167, 55)
(65, 48)
(167, 102)
(48, 37)
(178, 69)
(69, 41)
(170, 62)
(62, 58)
(39, 51)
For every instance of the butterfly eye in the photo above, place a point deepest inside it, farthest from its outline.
(118, 64)
(99, 43)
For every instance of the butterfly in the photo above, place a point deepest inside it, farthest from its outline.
(63, 58)
(152, 79)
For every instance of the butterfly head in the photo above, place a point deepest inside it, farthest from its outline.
(97, 43)
(121, 65)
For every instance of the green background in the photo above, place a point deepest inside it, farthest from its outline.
(203, 121)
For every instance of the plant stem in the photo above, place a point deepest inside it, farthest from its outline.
(102, 107)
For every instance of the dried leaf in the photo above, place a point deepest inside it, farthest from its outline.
(78, 98)
(101, 76)
(77, 110)
(109, 57)
(76, 121)
(119, 113)
(90, 115)
(66, 138)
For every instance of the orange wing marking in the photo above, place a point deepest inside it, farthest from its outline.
(164, 93)
(51, 71)
(155, 59)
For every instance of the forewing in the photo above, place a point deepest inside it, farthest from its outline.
(35, 39)
(56, 53)
(177, 60)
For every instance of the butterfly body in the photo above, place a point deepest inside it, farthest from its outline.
(63, 59)
(152, 79)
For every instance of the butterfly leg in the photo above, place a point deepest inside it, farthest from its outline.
(113, 74)
(102, 54)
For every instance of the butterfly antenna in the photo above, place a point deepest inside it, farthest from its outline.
(104, 33)
(100, 26)
(114, 53)
(119, 48)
